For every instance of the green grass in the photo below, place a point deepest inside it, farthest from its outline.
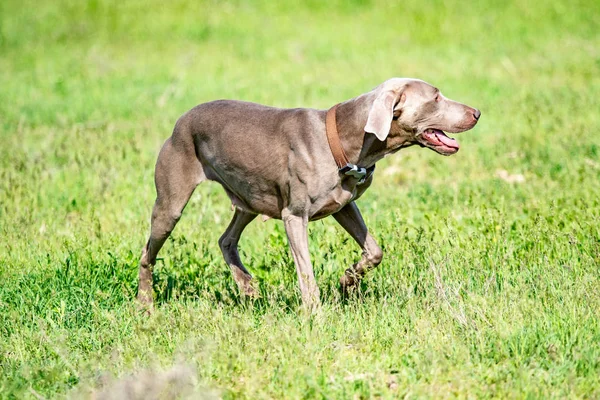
(487, 288)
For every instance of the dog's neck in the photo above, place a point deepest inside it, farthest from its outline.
(364, 149)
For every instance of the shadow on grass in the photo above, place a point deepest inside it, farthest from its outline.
(206, 282)
(214, 282)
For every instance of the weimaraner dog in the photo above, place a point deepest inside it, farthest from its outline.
(297, 165)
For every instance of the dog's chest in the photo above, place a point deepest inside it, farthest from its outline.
(336, 198)
(331, 204)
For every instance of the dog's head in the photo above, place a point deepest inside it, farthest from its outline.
(420, 113)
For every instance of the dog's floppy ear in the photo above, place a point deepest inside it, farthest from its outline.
(381, 114)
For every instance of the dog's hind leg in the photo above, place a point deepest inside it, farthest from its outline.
(229, 246)
(177, 174)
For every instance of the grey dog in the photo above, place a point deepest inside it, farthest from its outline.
(282, 163)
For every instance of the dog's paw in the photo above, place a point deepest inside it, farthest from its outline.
(349, 282)
(249, 290)
(145, 303)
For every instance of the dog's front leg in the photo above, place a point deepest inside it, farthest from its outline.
(297, 233)
(350, 219)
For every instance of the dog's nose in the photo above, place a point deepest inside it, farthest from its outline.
(477, 114)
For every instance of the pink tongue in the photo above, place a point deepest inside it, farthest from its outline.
(446, 140)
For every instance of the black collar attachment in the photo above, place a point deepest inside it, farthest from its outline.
(360, 173)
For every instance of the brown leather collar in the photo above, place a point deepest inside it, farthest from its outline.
(339, 155)
(335, 144)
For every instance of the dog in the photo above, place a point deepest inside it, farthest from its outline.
(297, 165)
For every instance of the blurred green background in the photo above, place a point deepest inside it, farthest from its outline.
(489, 284)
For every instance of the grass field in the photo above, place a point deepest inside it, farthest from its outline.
(489, 285)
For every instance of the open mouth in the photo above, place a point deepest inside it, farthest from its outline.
(438, 141)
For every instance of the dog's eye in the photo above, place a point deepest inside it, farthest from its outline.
(438, 98)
